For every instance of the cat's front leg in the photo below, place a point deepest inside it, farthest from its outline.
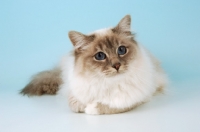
(92, 109)
(99, 108)
(75, 104)
(106, 109)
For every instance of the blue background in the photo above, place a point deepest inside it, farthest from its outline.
(34, 33)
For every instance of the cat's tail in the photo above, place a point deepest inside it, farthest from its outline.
(46, 82)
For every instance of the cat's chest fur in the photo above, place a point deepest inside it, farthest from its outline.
(120, 91)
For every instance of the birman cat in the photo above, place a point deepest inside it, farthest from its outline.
(107, 72)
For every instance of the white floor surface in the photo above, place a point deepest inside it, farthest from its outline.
(176, 111)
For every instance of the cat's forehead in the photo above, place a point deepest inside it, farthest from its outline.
(105, 39)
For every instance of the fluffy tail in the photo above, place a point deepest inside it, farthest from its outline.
(46, 82)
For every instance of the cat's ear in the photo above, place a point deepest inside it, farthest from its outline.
(76, 38)
(124, 26)
(79, 40)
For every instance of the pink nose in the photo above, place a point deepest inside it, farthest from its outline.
(116, 66)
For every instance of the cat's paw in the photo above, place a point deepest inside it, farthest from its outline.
(75, 104)
(92, 109)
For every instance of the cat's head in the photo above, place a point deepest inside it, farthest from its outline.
(106, 52)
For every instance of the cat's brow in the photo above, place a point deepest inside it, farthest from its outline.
(108, 43)
(101, 45)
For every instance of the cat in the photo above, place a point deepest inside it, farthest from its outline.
(107, 72)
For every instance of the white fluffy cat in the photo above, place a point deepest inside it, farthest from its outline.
(107, 72)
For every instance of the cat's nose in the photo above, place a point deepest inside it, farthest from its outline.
(116, 66)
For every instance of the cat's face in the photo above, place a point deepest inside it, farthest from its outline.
(107, 52)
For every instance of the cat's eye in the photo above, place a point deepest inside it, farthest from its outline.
(100, 56)
(121, 50)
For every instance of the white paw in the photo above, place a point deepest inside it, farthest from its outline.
(91, 109)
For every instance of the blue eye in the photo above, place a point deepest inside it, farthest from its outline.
(121, 50)
(100, 56)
